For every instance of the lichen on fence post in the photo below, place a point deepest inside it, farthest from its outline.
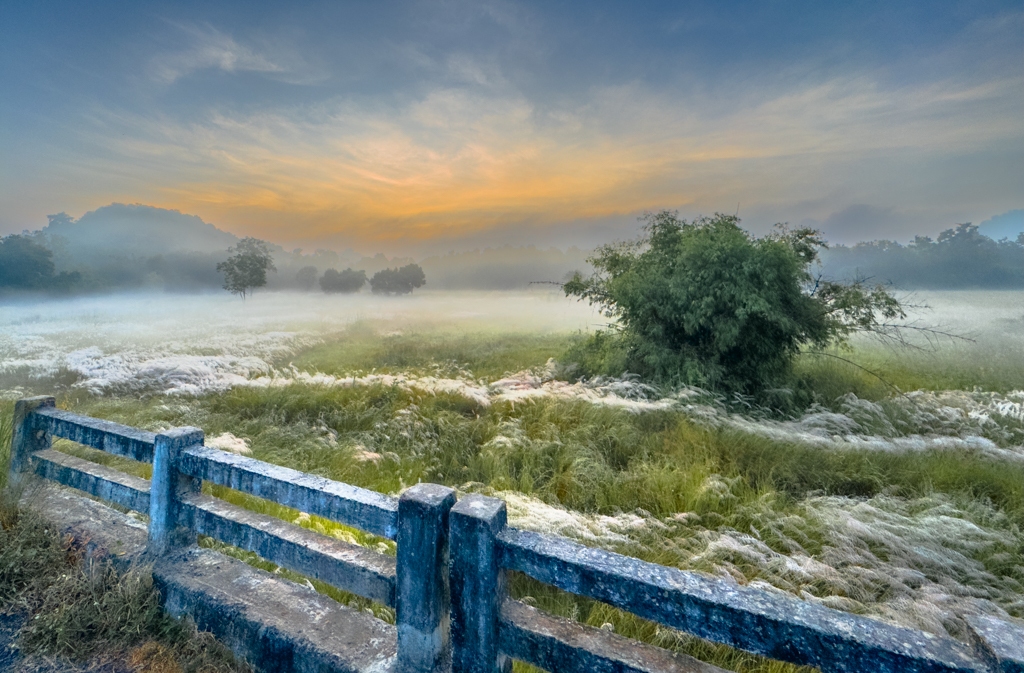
(167, 487)
(478, 585)
(27, 436)
(422, 599)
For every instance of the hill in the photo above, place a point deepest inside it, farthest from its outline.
(136, 230)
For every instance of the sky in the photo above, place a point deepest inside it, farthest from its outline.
(425, 127)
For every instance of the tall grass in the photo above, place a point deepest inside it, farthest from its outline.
(83, 609)
(6, 432)
(487, 354)
(867, 530)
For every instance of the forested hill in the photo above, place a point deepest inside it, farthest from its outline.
(132, 246)
(960, 258)
(136, 230)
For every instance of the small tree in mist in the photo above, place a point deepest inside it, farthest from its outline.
(398, 281)
(306, 277)
(706, 303)
(347, 281)
(247, 268)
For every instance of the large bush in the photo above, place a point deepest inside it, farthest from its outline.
(706, 303)
(398, 281)
(345, 281)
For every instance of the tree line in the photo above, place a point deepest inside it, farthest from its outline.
(959, 258)
(27, 264)
(84, 256)
(140, 247)
(246, 269)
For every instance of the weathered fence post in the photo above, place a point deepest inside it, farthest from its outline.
(423, 613)
(27, 437)
(167, 487)
(477, 585)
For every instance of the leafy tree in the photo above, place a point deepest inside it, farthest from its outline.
(26, 265)
(706, 303)
(247, 268)
(398, 281)
(346, 281)
(306, 277)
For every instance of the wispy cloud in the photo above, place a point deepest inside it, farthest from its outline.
(465, 160)
(204, 47)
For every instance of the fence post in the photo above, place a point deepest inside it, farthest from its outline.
(477, 585)
(167, 487)
(27, 437)
(423, 612)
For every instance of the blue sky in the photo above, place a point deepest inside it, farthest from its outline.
(413, 125)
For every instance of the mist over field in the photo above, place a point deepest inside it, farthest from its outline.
(935, 553)
(192, 344)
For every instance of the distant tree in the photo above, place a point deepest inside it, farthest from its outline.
(247, 268)
(346, 281)
(306, 277)
(398, 281)
(26, 265)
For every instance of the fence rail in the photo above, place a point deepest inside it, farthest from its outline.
(452, 563)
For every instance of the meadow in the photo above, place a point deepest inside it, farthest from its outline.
(899, 494)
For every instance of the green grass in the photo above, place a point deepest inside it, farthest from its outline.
(995, 367)
(587, 458)
(365, 347)
(86, 610)
(6, 431)
(607, 461)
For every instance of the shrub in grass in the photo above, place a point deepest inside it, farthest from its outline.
(30, 550)
(89, 607)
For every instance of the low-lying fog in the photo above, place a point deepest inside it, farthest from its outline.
(194, 343)
(924, 551)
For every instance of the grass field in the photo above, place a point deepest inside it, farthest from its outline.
(898, 495)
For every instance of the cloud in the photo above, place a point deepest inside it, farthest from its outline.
(205, 47)
(459, 161)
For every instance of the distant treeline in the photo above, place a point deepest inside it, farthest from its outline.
(120, 247)
(960, 258)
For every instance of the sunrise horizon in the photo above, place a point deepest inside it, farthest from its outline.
(454, 126)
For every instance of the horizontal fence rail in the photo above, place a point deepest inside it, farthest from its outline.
(777, 626)
(349, 505)
(120, 440)
(448, 582)
(341, 564)
(101, 481)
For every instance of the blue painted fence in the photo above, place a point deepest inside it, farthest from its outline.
(448, 582)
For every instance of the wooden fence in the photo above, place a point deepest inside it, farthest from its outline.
(448, 582)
